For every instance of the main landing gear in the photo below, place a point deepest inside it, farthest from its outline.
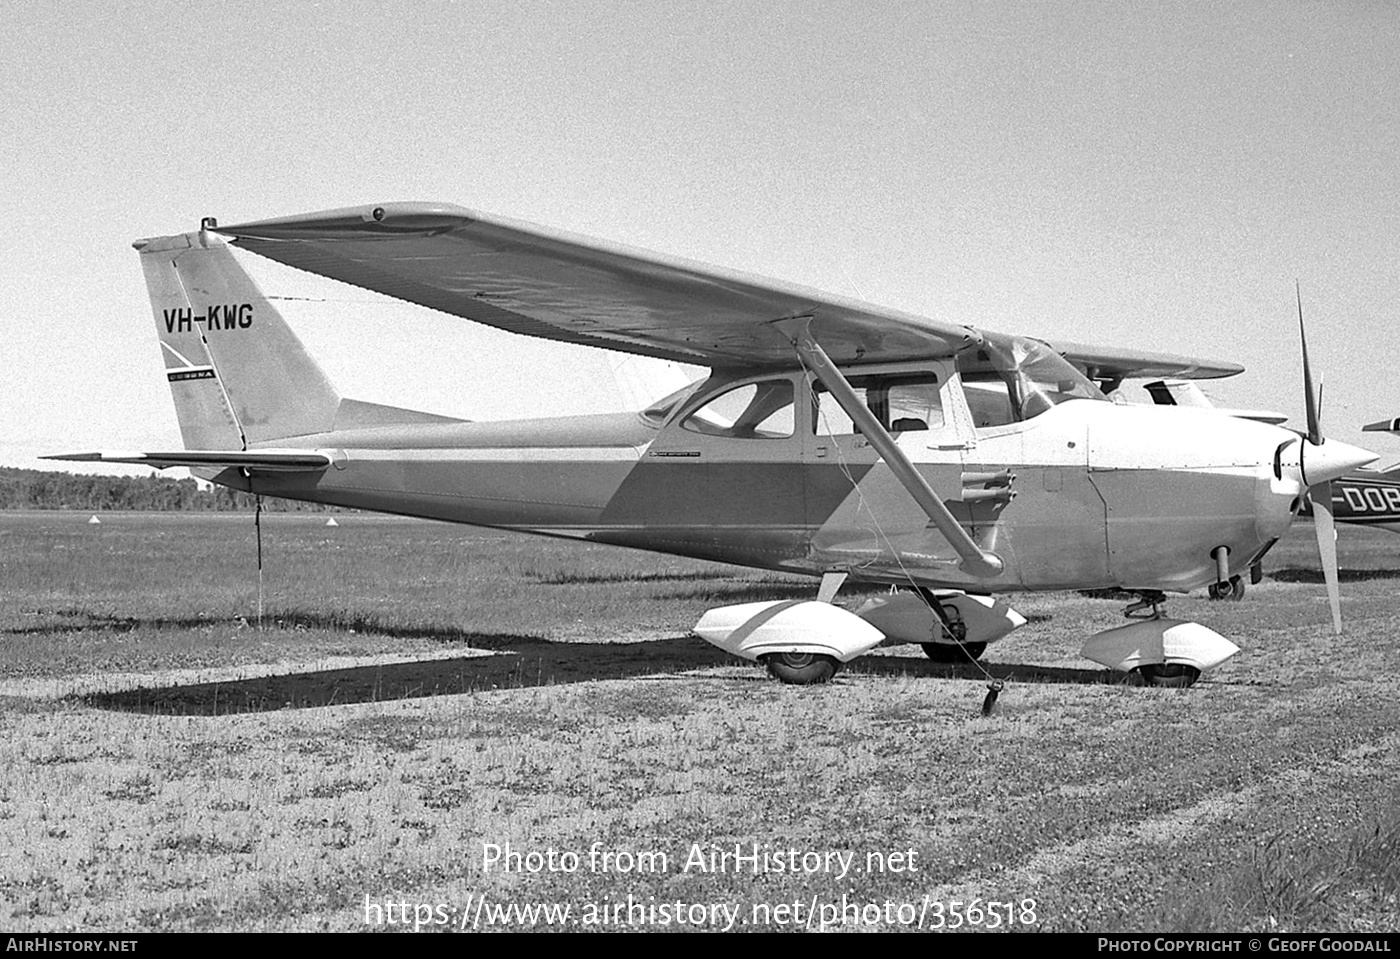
(952, 625)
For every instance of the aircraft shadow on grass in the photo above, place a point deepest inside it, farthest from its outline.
(90, 622)
(518, 662)
(1009, 672)
(1302, 574)
(1284, 574)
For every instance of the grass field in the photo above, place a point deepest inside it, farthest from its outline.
(422, 698)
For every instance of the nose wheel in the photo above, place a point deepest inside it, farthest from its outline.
(1168, 675)
(801, 669)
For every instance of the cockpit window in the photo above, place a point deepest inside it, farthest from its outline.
(1010, 379)
(752, 411)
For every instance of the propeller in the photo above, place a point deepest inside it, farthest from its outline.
(1319, 464)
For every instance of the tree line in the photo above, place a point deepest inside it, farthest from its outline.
(41, 489)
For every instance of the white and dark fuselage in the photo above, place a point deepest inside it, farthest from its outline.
(1086, 493)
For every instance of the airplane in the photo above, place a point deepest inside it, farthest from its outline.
(1367, 498)
(831, 437)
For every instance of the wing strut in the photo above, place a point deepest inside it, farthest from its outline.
(975, 560)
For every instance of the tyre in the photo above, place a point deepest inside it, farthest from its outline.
(1231, 589)
(801, 669)
(1168, 675)
(948, 653)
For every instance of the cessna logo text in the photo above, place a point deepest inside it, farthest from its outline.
(224, 316)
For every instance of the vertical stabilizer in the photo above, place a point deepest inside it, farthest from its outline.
(238, 373)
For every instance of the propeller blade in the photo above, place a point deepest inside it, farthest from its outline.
(1309, 396)
(1323, 525)
(1327, 463)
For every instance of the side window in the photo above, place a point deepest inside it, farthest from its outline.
(989, 399)
(902, 402)
(828, 418)
(752, 411)
(913, 403)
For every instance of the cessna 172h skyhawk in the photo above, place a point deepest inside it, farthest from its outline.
(831, 437)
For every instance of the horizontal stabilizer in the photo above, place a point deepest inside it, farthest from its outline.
(272, 461)
(1186, 393)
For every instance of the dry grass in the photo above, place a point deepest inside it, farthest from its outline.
(423, 690)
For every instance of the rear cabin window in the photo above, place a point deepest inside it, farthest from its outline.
(754, 411)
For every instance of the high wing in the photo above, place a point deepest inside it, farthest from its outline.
(273, 461)
(541, 282)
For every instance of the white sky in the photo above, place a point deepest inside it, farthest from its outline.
(1153, 175)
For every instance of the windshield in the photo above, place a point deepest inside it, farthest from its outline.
(1010, 379)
